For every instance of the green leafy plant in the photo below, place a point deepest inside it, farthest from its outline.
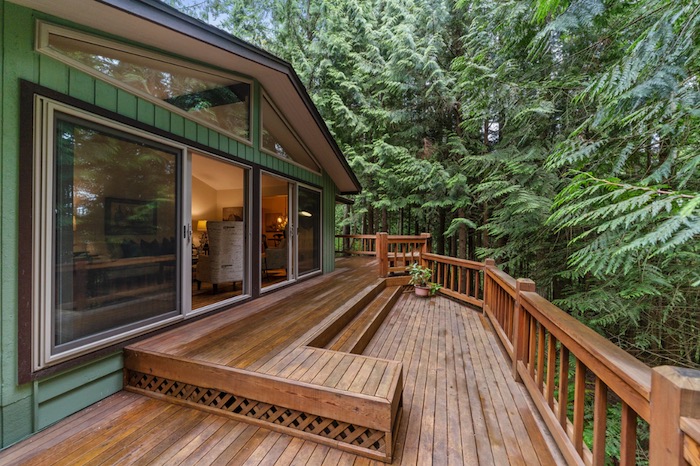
(420, 276)
(434, 287)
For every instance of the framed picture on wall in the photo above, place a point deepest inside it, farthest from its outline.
(130, 217)
(232, 214)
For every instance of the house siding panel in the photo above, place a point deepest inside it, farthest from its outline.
(17, 26)
(24, 409)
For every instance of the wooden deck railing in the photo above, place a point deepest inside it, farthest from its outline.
(571, 371)
(396, 252)
(361, 245)
(460, 279)
(579, 381)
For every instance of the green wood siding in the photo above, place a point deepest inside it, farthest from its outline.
(30, 407)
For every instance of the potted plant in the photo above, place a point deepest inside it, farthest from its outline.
(420, 279)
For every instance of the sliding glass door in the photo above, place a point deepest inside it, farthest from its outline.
(290, 230)
(219, 215)
(308, 230)
(276, 225)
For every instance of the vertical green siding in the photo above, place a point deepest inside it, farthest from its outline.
(30, 407)
(66, 393)
(16, 33)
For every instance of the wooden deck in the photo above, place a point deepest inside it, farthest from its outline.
(460, 403)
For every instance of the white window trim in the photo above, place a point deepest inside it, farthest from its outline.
(317, 170)
(41, 45)
(43, 278)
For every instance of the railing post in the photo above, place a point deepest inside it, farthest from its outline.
(425, 248)
(675, 393)
(520, 327)
(382, 246)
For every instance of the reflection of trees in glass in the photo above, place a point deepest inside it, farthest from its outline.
(225, 104)
(92, 165)
(112, 275)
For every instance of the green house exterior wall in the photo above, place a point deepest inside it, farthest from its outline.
(25, 409)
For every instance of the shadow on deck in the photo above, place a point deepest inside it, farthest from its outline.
(300, 376)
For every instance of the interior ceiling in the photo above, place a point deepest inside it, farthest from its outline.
(146, 24)
(217, 174)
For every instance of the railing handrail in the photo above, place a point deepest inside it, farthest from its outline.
(630, 379)
(506, 281)
(454, 261)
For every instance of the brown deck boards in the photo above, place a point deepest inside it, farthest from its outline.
(460, 404)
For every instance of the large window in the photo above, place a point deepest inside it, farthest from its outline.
(279, 140)
(213, 98)
(106, 234)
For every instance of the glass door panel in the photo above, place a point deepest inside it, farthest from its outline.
(116, 232)
(308, 230)
(219, 231)
(275, 220)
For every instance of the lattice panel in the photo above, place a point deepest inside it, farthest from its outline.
(363, 437)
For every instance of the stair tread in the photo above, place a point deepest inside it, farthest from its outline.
(353, 331)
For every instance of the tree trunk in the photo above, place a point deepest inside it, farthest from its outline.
(408, 222)
(462, 241)
(370, 220)
(485, 233)
(440, 237)
(385, 220)
(346, 228)
(471, 247)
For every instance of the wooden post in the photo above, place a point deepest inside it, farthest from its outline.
(382, 246)
(675, 393)
(425, 248)
(520, 327)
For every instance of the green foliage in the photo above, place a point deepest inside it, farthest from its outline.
(559, 137)
(420, 276)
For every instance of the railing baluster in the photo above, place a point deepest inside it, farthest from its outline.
(551, 368)
(540, 357)
(563, 386)
(600, 419)
(532, 342)
(579, 404)
(628, 436)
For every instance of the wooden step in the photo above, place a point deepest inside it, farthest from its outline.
(357, 334)
(353, 403)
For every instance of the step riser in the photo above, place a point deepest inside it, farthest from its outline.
(321, 414)
(322, 339)
(374, 325)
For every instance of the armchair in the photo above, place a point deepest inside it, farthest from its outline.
(226, 251)
(276, 258)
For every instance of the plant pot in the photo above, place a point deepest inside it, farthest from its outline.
(423, 291)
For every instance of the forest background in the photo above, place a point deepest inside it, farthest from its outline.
(559, 137)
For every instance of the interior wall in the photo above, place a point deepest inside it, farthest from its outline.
(204, 202)
(228, 198)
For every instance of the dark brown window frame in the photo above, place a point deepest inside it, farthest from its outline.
(28, 90)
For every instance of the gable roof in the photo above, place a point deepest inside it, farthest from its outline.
(157, 25)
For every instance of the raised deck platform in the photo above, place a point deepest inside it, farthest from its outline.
(460, 403)
(270, 368)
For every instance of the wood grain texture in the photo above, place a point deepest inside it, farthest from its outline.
(460, 403)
